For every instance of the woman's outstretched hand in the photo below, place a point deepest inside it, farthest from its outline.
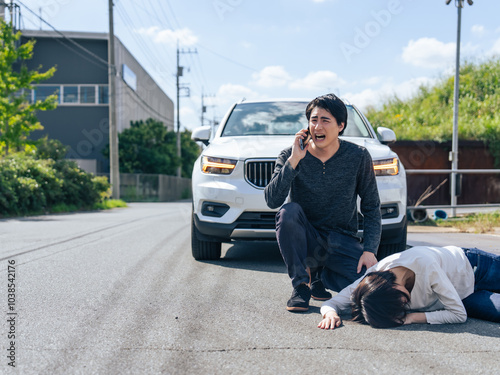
(330, 321)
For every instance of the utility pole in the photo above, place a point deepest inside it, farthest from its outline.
(180, 70)
(2, 10)
(113, 133)
(14, 13)
(454, 145)
(203, 108)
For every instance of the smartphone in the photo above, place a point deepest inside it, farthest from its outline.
(303, 142)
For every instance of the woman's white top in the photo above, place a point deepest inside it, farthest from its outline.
(443, 278)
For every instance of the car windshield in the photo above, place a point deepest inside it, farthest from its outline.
(281, 118)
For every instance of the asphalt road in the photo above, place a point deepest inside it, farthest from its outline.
(117, 292)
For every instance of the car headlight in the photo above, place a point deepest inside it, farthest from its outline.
(217, 165)
(386, 167)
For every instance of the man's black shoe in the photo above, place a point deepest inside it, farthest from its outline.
(318, 291)
(299, 301)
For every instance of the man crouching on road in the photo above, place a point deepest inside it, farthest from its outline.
(316, 231)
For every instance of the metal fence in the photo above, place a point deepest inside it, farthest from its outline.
(136, 187)
(452, 174)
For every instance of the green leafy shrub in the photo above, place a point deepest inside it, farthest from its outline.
(29, 185)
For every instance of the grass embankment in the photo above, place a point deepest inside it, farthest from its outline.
(62, 208)
(470, 223)
(104, 205)
(428, 114)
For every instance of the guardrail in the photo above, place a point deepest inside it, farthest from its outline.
(449, 171)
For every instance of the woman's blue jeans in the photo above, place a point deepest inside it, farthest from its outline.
(484, 303)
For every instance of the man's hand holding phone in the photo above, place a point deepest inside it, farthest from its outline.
(304, 141)
(300, 147)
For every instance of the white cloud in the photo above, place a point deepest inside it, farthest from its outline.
(429, 53)
(323, 79)
(230, 93)
(495, 50)
(478, 30)
(271, 76)
(376, 96)
(189, 119)
(185, 36)
(372, 81)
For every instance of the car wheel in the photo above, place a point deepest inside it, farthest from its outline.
(386, 249)
(203, 250)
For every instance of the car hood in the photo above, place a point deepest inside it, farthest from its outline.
(245, 147)
(265, 146)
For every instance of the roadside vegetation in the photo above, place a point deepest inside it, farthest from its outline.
(41, 181)
(428, 115)
(148, 147)
(482, 222)
(34, 176)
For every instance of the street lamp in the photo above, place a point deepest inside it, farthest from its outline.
(454, 146)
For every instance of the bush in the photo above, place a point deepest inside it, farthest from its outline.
(28, 185)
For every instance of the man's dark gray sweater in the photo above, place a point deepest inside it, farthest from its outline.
(327, 192)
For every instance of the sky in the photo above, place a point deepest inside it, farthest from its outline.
(365, 51)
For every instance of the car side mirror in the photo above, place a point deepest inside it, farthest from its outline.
(386, 135)
(202, 134)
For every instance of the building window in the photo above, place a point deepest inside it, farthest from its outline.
(43, 92)
(24, 93)
(103, 94)
(87, 95)
(70, 94)
(129, 77)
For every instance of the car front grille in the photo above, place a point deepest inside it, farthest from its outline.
(258, 173)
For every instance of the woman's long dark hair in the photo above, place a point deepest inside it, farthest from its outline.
(377, 302)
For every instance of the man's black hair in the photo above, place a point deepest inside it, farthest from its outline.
(332, 104)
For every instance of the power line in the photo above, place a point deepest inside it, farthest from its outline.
(141, 43)
(227, 58)
(143, 102)
(173, 13)
(98, 58)
(154, 15)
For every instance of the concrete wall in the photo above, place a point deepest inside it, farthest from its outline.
(146, 100)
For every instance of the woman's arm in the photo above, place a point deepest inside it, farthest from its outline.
(336, 304)
(454, 310)
(418, 317)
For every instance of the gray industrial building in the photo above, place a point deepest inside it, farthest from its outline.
(81, 119)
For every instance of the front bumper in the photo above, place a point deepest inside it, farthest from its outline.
(249, 226)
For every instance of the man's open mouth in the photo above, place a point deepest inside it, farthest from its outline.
(320, 136)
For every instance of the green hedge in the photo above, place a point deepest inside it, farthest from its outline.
(29, 185)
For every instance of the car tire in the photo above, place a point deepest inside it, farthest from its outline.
(386, 249)
(203, 250)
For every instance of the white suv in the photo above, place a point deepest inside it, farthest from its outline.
(231, 173)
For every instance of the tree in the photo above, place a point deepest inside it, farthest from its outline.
(148, 147)
(17, 114)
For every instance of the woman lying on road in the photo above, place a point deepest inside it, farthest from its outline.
(423, 284)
